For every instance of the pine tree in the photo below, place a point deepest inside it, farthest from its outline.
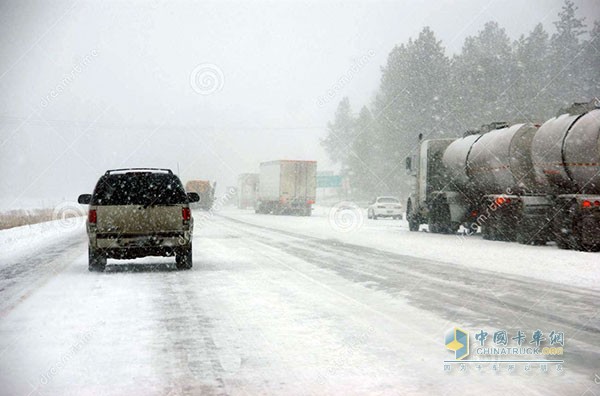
(567, 55)
(340, 133)
(530, 92)
(483, 75)
(412, 100)
(591, 64)
(363, 164)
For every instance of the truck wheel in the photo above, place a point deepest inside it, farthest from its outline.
(413, 222)
(453, 228)
(487, 231)
(96, 260)
(439, 219)
(183, 259)
(566, 232)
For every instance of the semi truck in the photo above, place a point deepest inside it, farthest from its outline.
(287, 187)
(526, 182)
(247, 189)
(205, 191)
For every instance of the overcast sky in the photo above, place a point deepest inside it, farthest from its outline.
(211, 87)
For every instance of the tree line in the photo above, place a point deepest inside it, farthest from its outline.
(425, 92)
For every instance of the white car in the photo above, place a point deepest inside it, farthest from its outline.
(385, 207)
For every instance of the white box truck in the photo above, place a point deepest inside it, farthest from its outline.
(247, 189)
(287, 187)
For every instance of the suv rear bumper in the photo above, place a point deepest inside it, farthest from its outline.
(140, 245)
(131, 253)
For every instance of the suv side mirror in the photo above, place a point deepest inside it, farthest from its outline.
(85, 199)
(193, 197)
(408, 163)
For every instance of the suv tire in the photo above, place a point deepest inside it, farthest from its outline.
(97, 260)
(183, 258)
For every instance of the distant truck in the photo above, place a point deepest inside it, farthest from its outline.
(524, 182)
(287, 187)
(205, 191)
(247, 190)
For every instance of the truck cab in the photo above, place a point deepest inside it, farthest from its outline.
(428, 170)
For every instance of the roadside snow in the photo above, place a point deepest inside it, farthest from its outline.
(548, 263)
(28, 238)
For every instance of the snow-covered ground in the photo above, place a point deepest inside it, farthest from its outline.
(286, 306)
(34, 237)
(548, 263)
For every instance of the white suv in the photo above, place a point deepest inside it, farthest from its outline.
(385, 207)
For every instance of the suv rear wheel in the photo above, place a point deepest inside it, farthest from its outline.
(97, 260)
(183, 258)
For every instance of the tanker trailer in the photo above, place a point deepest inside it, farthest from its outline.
(513, 206)
(467, 178)
(566, 160)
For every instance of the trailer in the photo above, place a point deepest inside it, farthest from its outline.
(287, 187)
(523, 182)
(247, 189)
(205, 191)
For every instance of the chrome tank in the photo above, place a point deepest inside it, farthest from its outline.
(497, 162)
(566, 154)
(455, 161)
(500, 161)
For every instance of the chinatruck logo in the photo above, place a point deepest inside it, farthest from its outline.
(501, 350)
(457, 340)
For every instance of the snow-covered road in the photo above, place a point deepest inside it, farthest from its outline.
(278, 305)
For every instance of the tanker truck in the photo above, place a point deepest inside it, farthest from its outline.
(205, 190)
(522, 182)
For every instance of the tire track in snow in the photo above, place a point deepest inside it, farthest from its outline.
(25, 275)
(462, 296)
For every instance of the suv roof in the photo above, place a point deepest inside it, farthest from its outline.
(139, 187)
(130, 170)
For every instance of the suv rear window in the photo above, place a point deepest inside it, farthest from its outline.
(139, 189)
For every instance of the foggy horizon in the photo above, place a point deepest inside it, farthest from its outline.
(95, 86)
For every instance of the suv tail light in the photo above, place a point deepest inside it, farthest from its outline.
(92, 216)
(186, 214)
